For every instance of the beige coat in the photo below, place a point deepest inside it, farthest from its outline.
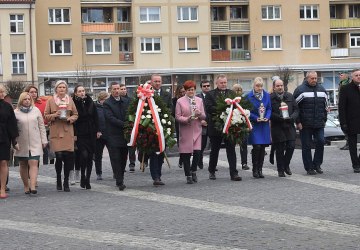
(61, 132)
(32, 134)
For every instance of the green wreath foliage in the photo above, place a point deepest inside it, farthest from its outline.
(147, 138)
(237, 132)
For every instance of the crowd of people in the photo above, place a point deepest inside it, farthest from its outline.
(77, 129)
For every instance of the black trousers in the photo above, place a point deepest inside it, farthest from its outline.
(188, 169)
(352, 139)
(99, 150)
(214, 154)
(244, 151)
(258, 155)
(84, 158)
(284, 152)
(203, 146)
(67, 158)
(118, 158)
(132, 156)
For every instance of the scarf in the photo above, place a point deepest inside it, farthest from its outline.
(257, 95)
(281, 96)
(25, 109)
(61, 101)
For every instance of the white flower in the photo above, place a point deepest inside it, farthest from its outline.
(166, 115)
(168, 129)
(148, 116)
(169, 122)
(149, 111)
(143, 117)
(159, 110)
(145, 104)
(168, 132)
(156, 106)
(163, 121)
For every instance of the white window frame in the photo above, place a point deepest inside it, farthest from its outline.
(311, 37)
(17, 23)
(277, 44)
(145, 40)
(52, 47)
(18, 61)
(238, 46)
(354, 9)
(52, 14)
(186, 49)
(312, 8)
(102, 46)
(356, 38)
(183, 9)
(147, 17)
(334, 40)
(271, 8)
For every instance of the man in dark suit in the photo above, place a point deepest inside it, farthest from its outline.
(349, 106)
(156, 160)
(115, 108)
(205, 88)
(216, 136)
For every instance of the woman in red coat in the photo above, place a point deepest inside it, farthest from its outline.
(188, 113)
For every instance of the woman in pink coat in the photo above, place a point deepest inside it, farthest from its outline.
(188, 113)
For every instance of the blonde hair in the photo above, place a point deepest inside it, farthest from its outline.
(237, 87)
(103, 95)
(258, 80)
(3, 89)
(22, 97)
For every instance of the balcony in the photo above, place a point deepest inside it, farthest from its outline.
(345, 52)
(230, 55)
(344, 23)
(230, 26)
(229, 1)
(123, 27)
(126, 57)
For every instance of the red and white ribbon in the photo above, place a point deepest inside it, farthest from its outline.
(235, 102)
(145, 94)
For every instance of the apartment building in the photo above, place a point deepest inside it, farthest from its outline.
(99, 42)
(18, 41)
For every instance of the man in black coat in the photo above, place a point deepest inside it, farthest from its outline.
(115, 109)
(205, 88)
(349, 114)
(157, 160)
(216, 136)
(283, 130)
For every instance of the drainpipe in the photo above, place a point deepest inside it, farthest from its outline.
(31, 45)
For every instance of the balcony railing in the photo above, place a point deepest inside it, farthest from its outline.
(230, 55)
(344, 23)
(226, 26)
(123, 27)
(345, 52)
(221, 1)
(126, 57)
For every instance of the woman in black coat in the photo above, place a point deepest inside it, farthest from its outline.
(86, 131)
(8, 134)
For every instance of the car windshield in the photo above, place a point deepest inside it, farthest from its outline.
(330, 124)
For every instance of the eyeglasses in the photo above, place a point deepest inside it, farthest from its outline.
(206, 86)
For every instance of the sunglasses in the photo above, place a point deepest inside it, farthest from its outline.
(206, 86)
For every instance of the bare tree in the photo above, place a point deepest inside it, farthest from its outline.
(286, 75)
(14, 88)
(83, 75)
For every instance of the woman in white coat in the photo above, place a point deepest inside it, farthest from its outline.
(32, 139)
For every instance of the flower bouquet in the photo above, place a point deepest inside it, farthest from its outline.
(150, 125)
(232, 118)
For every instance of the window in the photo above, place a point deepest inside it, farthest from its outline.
(237, 42)
(271, 12)
(334, 41)
(124, 44)
(59, 15)
(332, 11)
(98, 46)
(236, 12)
(187, 14)
(18, 63)
(123, 14)
(17, 23)
(271, 42)
(309, 12)
(354, 11)
(149, 14)
(188, 44)
(60, 47)
(151, 44)
(96, 15)
(354, 40)
(310, 41)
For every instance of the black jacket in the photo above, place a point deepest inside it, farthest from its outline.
(115, 117)
(312, 102)
(349, 108)
(8, 124)
(88, 122)
(101, 119)
(204, 128)
(210, 108)
(283, 129)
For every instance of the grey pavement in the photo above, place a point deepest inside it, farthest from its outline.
(296, 212)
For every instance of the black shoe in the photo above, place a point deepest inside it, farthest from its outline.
(27, 192)
(121, 187)
(216, 169)
(82, 183)
(212, 176)
(319, 170)
(180, 165)
(346, 147)
(281, 174)
(201, 165)
(244, 166)
(271, 159)
(7, 189)
(131, 169)
(66, 187)
(158, 182)
(261, 174)
(311, 172)
(58, 185)
(288, 171)
(236, 178)
(256, 175)
(87, 184)
(33, 191)
(194, 177)
(357, 170)
(189, 180)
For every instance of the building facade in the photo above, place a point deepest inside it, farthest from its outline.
(99, 42)
(18, 62)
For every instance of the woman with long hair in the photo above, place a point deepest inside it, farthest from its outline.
(86, 131)
(61, 113)
(8, 134)
(32, 138)
(189, 114)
